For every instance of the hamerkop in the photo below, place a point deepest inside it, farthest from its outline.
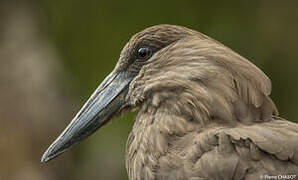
(204, 111)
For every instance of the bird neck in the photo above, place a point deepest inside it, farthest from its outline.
(155, 129)
(171, 114)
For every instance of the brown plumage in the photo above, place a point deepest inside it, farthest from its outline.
(204, 112)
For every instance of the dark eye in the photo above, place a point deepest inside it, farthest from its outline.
(144, 53)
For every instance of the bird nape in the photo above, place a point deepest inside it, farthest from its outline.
(204, 111)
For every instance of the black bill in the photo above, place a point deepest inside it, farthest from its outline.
(108, 98)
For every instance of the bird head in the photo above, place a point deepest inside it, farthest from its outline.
(168, 62)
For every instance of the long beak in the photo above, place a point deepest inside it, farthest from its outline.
(108, 98)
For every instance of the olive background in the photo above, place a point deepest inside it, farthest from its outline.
(54, 53)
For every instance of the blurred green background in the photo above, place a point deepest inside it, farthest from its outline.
(54, 53)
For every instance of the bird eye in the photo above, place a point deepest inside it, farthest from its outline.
(144, 53)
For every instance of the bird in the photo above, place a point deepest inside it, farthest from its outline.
(203, 111)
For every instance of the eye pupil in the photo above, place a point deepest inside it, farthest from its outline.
(144, 53)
